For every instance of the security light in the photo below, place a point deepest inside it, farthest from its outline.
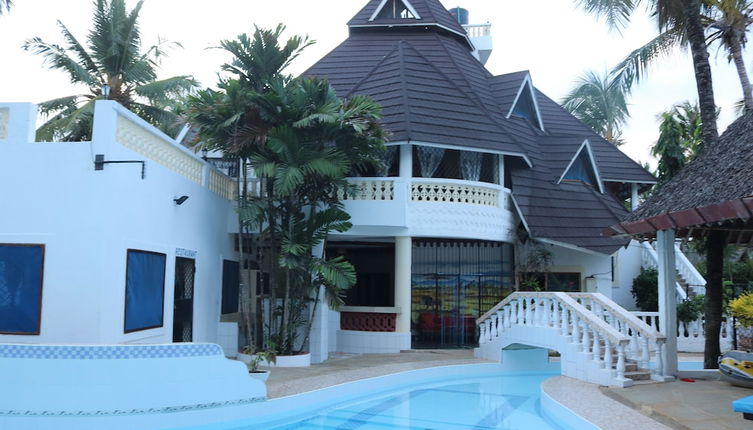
(180, 200)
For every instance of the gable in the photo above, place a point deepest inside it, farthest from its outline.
(395, 9)
(525, 104)
(583, 168)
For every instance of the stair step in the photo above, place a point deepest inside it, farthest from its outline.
(638, 375)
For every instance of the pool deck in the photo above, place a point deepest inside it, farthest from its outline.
(678, 405)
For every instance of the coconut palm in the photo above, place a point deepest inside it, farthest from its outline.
(686, 15)
(112, 60)
(5, 5)
(599, 101)
(727, 23)
(679, 140)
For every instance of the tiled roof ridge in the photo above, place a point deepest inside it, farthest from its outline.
(368, 75)
(403, 80)
(600, 198)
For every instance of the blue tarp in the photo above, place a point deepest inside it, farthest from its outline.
(744, 405)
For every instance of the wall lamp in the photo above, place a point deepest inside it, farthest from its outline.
(180, 200)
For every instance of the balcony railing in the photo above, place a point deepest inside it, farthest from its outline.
(478, 30)
(369, 189)
(443, 190)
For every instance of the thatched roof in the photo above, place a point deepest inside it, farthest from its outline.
(715, 188)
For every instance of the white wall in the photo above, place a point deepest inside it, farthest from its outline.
(629, 266)
(88, 219)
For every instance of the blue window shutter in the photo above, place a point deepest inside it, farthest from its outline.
(145, 290)
(21, 268)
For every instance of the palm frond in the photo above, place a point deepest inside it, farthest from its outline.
(635, 65)
(615, 12)
(162, 91)
(57, 58)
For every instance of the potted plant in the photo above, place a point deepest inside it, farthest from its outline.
(742, 309)
(255, 358)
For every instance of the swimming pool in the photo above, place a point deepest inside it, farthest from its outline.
(491, 402)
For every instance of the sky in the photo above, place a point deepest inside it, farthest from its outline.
(552, 39)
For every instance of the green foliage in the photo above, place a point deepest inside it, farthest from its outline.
(112, 55)
(690, 310)
(599, 101)
(646, 290)
(258, 356)
(301, 140)
(742, 309)
(679, 141)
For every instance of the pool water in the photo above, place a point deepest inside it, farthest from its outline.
(495, 402)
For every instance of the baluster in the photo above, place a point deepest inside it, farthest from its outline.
(482, 333)
(586, 339)
(620, 361)
(519, 318)
(596, 349)
(508, 316)
(645, 353)
(495, 320)
(547, 317)
(634, 343)
(564, 329)
(500, 322)
(576, 329)
(555, 315)
(529, 311)
(659, 358)
(607, 353)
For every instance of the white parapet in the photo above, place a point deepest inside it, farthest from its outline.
(118, 386)
(17, 122)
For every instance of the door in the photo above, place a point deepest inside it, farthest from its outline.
(185, 269)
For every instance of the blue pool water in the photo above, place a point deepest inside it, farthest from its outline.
(494, 402)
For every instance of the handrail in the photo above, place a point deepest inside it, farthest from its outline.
(687, 270)
(650, 252)
(633, 321)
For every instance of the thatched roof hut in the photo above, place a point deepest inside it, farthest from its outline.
(714, 192)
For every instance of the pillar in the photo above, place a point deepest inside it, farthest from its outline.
(665, 248)
(633, 196)
(403, 251)
(406, 161)
(501, 169)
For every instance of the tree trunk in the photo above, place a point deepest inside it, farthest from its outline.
(715, 243)
(697, 41)
(736, 50)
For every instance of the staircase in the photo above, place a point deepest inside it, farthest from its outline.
(599, 342)
(688, 277)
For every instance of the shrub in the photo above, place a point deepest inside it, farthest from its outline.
(742, 309)
(691, 309)
(646, 290)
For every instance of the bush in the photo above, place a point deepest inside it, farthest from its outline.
(646, 290)
(742, 309)
(691, 309)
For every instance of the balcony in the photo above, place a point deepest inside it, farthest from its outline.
(429, 207)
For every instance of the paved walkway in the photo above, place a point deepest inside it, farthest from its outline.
(700, 405)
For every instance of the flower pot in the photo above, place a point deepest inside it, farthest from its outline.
(261, 375)
(301, 360)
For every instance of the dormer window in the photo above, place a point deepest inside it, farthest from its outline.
(395, 9)
(525, 105)
(583, 168)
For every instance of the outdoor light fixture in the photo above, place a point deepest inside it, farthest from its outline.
(180, 200)
(105, 91)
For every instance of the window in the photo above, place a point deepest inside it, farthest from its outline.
(230, 286)
(145, 290)
(582, 170)
(21, 273)
(396, 9)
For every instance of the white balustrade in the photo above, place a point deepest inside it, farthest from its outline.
(691, 336)
(478, 30)
(602, 344)
(449, 191)
(368, 189)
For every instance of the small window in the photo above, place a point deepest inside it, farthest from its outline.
(145, 290)
(582, 170)
(395, 9)
(21, 273)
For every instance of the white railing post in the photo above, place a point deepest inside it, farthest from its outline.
(645, 353)
(620, 361)
(596, 348)
(586, 340)
(529, 311)
(659, 358)
(482, 334)
(607, 353)
(495, 322)
(576, 330)
(564, 323)
(555, 314)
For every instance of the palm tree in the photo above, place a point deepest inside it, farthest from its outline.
(5, 5)
(599, 101)
(111, 60)
(728, 23)
(679, 140)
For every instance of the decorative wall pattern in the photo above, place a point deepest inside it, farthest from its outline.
(153, 147)
(138, 411)
(448, 220)
(454, 193)
(117, 352)
(222, 185)
(4, 123)
(369, 190)
(367, 321)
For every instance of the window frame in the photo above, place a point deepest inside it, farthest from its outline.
(41, 289)
(125, 290)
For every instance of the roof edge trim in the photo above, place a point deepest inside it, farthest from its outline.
(571, 246)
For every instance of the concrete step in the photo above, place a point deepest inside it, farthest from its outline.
(639, 375)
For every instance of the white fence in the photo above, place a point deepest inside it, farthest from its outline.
(690, 336)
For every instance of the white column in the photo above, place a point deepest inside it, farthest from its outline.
(665, 247)
(319, 339)
(406, 160)
(633, 196)
(403, 245)
(501, 170)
